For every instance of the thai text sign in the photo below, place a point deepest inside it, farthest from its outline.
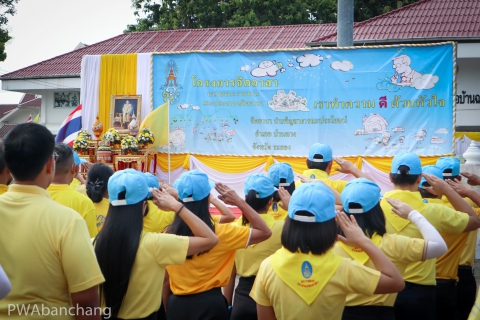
(363, 101)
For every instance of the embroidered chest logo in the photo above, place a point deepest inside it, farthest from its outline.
(307, 269)
(312, 176)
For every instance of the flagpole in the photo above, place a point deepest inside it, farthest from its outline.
(168, 141)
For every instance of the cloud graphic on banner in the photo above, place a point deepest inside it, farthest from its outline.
(426, 81)
(309, 60)
(245, 68)
(387, 84)
(344, 65)
(436, 139)
(266, 68)
(196, 108)
(283, 102)
(184, 106)
(442, 130)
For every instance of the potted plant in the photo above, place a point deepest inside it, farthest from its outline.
(145, 137)
(80, 145)
(129, 145)
(85, 134)
(112, 137)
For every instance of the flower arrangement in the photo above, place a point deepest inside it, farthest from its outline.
(85, 134)
(111, 136)
(80, 144)
(146, 136)
(129, 143)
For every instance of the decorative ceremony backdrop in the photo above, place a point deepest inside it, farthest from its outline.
(235, 113)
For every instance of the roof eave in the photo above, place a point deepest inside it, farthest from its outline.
(396, 41)
(42, 77)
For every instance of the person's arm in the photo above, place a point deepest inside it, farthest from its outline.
(435, 246)
(259, 229)
(204, 238)
(5, 286)
(265, 313)
(348, 167)
(84, 301)
(442, 188)
(230, 287)
(284, 198)
(464, 191)
(391, 280)
(166, 292)
(173, 192)
(227, 215)
(472, 179)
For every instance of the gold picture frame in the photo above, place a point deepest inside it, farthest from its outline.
(122, 110)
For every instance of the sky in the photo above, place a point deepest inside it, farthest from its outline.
(43, 29)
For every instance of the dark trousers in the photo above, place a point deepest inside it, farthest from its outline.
(446, 299)
(244, 307)
(208, 305)
(153, 316)
(368, 313)
(466, 291)
(415, 302)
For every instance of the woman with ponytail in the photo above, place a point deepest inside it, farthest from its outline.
(97, 181)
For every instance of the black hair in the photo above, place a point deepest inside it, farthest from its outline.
(200, 209)
(2, 160)
(64, 158)
(97, 181)
(371, 221)
(318, 165)
(116, 247)
(404, 178)
(257, 204)
(289, 188)
(305, 237)
(27, 148)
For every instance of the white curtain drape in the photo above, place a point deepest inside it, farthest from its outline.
(90, 77)
(144, 72)
(381, 178)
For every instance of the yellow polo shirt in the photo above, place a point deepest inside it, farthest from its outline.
(64, 194)
(277, 212)
(247, 260)
(75, 183)
(82, 189)
(440, 217)
(3, 188)
(338, 185)
(401, 251)
(210, 269)
(468, 254)
(45, 251)
(144, 293)
(270, 290)
(447, 265)
(101, 210)
(157, 220)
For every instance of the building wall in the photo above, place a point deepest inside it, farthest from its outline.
(468, 83)
(50, 116)
(20, 116)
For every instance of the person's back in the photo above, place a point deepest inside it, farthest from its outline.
(96, 190)
(45, 247)
(5, 177)
(282, 176)
(61, 192)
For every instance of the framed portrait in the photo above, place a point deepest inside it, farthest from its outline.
(125, 110)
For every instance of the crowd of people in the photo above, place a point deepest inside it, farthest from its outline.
(122, 245)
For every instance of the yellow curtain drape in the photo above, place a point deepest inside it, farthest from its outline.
(176, 161)
(231, 164)
(118, 76)
(270, 161)
(471, 135)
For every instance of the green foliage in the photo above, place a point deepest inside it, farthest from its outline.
(192, 14)
(7, 8)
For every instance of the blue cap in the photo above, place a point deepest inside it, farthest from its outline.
(152, 182)
(133, 182)
(320, 149)
(279, 171)
(433, 170)
(315, 198)
(411, 160)
(262, 185)
(78, 161)
(362, 191)
(193, 186)
(445, 163)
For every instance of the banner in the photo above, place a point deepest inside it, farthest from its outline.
(361, 101)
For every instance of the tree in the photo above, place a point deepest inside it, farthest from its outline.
(192, 14)
(7, 8)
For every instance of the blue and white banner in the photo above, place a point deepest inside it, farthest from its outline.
(362, 101)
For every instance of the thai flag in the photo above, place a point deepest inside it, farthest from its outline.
(29, 119)
(70, 127)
